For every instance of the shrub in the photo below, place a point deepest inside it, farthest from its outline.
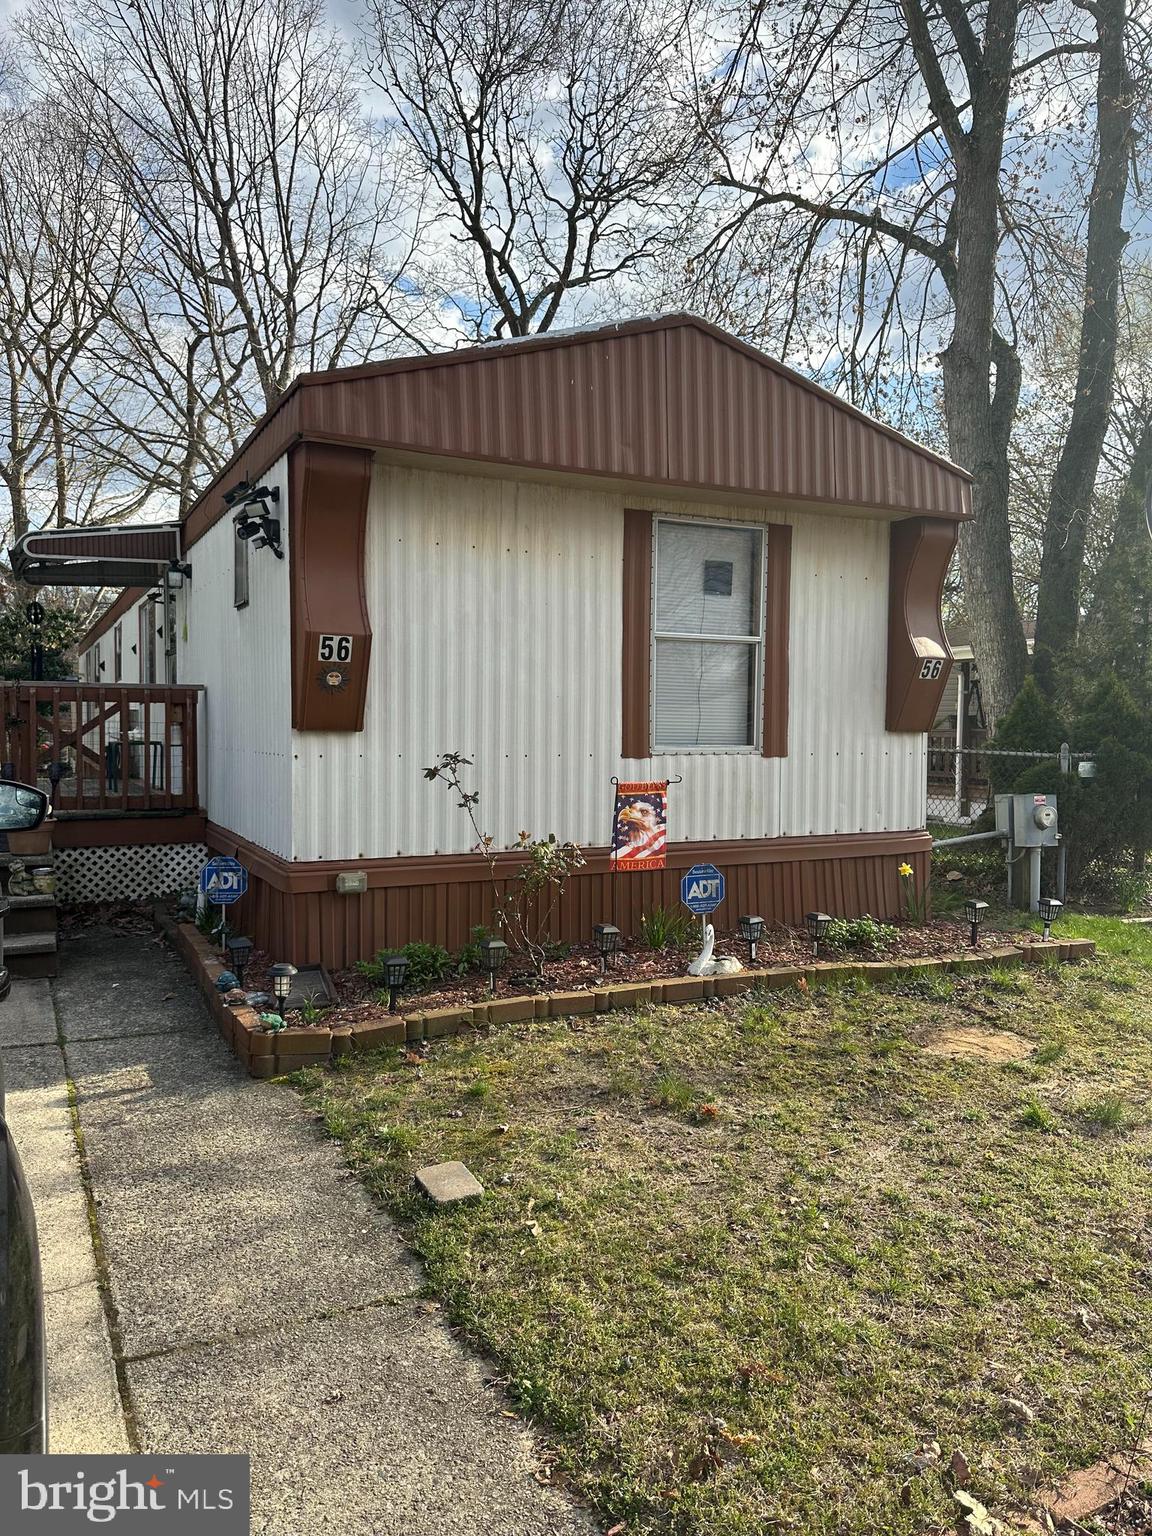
(468, 958)
(427, 964)
(668, 928)
(860, 933)
(1106, 822)
(1031, 725)
(524, 909)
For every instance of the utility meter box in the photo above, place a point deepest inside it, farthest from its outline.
(1029, 820)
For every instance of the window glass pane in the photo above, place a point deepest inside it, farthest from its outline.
(707, 579)
(704, 694)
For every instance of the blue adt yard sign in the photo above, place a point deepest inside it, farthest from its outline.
(702, 888)
(223, 880)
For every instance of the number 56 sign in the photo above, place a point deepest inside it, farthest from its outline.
(335, 648)
(931, 669)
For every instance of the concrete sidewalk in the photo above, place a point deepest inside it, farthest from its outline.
(254, 1299)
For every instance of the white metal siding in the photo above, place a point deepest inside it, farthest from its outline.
(242, 656)
(496, 609)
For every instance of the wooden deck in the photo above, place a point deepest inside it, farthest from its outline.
(127, 748)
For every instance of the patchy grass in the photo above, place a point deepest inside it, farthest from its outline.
(741, 1261)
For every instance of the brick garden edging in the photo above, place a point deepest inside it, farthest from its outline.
(271, 1053)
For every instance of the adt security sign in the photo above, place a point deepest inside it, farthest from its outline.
(702, 888)
(223, 880)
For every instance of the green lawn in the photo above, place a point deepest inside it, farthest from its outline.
(740, 1261)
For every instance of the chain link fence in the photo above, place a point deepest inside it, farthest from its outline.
(961, 803)
(960, 793)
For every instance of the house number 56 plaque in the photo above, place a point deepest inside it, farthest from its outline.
(335, 648)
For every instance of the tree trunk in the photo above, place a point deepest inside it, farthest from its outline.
(979, 417)
(1066, 526)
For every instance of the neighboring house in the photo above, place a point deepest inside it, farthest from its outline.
(644, 552)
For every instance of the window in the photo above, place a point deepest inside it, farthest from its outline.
(118, 653)
(708, 635)
(239, 572)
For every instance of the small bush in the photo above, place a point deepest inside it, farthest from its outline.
(468, 958)
(859, 933)
(668, 928)
(427, 964)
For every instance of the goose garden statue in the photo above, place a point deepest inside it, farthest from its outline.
(705, 965)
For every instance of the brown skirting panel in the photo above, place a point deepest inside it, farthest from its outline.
(128, 831)
(293, 910)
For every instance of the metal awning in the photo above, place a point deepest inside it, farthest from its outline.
(98, 557)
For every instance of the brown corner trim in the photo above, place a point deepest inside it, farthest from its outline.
(636, 633)
(919, 657)
(776, 632)
(328, 514)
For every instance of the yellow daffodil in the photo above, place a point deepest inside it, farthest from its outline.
(905, 869)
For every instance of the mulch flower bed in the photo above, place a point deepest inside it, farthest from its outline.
(578, 969)
(360, 1021)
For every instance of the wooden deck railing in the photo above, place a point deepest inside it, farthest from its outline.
(125, 747)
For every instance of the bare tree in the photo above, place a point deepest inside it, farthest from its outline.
(62, 274)
(551, 134)
(1073, 484)
(272, 229)
(913, 159)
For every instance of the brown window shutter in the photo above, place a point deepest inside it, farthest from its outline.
(636, 676)
(779, 584)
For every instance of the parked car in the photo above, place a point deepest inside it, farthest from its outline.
(23, 1382)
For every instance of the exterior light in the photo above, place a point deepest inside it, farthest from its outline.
(395, 970)
(493, 954)
(817, 924)
(607, 937)
(239, 951)
(1049, 909)
(174, 577)
(974, 911)
(281, 974)
(751, 931)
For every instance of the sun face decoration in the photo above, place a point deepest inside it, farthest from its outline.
(332, 679)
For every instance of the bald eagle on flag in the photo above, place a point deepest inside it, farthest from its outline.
(640, 826)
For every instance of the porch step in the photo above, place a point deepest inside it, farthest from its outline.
(31, 954)
(30, 914)
(29, 944)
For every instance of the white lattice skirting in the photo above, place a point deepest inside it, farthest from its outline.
(124, 873)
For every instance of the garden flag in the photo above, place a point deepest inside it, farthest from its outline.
(640, 826)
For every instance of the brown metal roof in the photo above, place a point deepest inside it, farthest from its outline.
(146, 541)
(668, 400)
